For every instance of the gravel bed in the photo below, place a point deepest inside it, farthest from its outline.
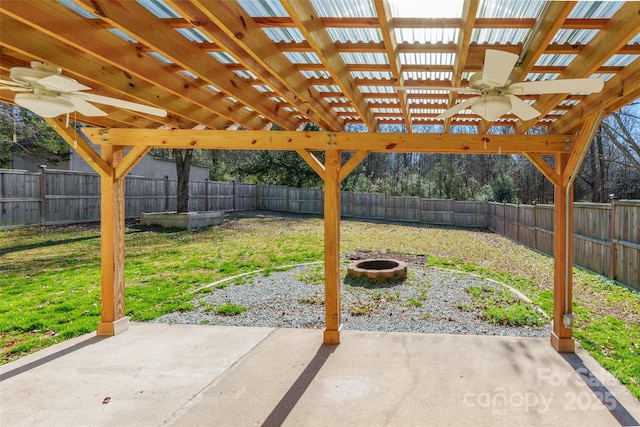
(282, 300)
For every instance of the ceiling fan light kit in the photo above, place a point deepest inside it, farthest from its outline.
(491, 107)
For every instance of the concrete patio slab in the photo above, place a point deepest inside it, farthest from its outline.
(182, 375)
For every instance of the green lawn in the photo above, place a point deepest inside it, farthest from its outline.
(50, 276)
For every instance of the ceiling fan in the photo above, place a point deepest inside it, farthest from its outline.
(47, 93)
(498, 96)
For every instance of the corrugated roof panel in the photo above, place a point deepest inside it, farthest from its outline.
(384, 75)
(353, 35)
(364, 58)
(223, 58)
(277, 99)
(509, 9)
(603, 76)
(159, 8)
(499, 35)
(427, 58)
(212, 88)
(315, 74)
(263, 8)
(567, 35)
(288, 35)
(386, 110)
(427, 35)
(620, 60)
(555, 60)
(289, 109)
(541, 76)
(327, 88)
(635, 40)
(263, 88)
(427, 110)
(381, 101)
(124, 36)
(557, 112)
(426, 9)
(194, 35)
(569, 102)
(77, 9)
(377, 89)
(336, 100)
(160, 57)
(303, 57)
(427, 75)
(188, 74)
(595, 9)
(344, 109)
(344, 8)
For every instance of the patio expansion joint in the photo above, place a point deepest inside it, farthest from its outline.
(176, 414)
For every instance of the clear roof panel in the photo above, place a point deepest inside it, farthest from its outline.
(263, 8)
(620, 60)
(377, 89)
(555, 60)
(499, 35)
(509, 9)
(194, 35)
(541, 76)
(430, 58)
(345, 8)
(160, 58)
(124, 36)
(383, 75)
(595, 9)
(77, 9)
(223, 57)
(427, 35)
(426, 9)
(288, 35)
(603, 76)
(310, 74)
(346, 35)
(427, 75)
(159, 8)
(302, 57)
(364, 58)
(635, 40)
(574, 36)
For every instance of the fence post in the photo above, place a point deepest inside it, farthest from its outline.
(612, 233)
(43, 193)
(166, 193)
(535, 228)
(233, 192)
(206, 194)
(286, 200)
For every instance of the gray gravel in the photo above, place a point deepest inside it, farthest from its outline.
(282, 300)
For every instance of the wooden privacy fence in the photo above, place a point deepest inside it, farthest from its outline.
(606, 236)
(53, 197)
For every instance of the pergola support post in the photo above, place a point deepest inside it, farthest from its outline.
(332, 247)
(112, 223)
(561, 336)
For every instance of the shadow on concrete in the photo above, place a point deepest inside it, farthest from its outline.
(297, 389)
(600, 390)
(49, 358)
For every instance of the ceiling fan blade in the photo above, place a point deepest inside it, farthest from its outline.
(521, 109)
(120, 103)
(12, 83)
(62, 84)
(557, 86)
(84, 108)
(445, 89)
(15, 88)
(497, 67)
(458, 107)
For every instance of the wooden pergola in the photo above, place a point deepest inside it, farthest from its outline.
(217, 66)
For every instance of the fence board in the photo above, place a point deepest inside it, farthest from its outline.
(437, 211)
(368, 205)
(399, 208)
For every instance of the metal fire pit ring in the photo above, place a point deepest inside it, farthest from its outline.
(379, 270)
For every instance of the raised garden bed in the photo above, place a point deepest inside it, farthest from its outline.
(183, 221)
